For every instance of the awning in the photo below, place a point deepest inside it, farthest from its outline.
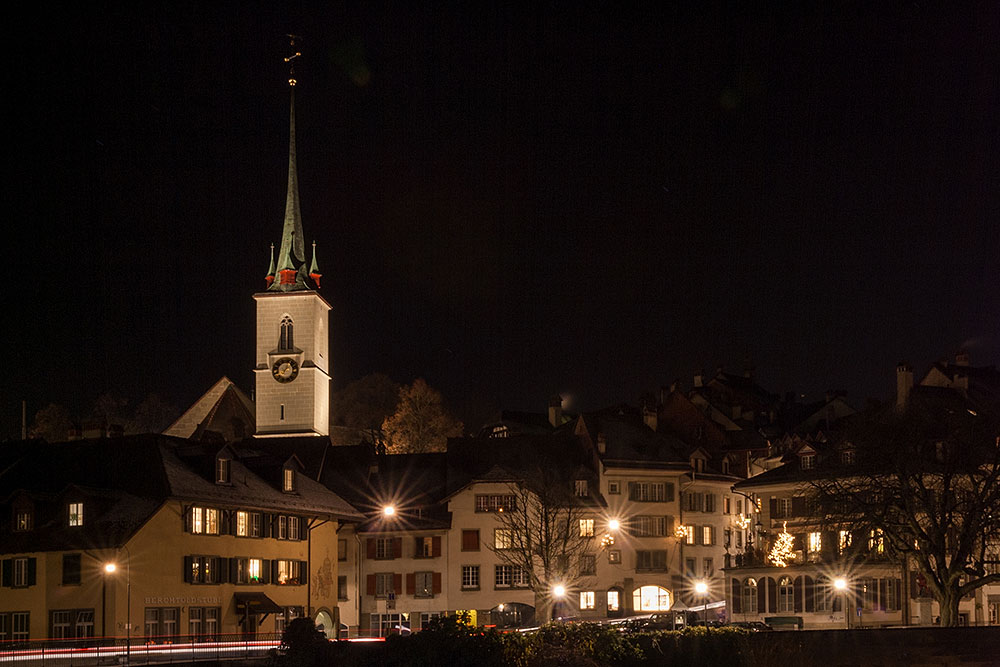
(256, 603)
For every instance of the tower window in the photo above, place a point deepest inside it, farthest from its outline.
(285, 341)
(282, 411)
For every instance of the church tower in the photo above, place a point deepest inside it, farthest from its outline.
(292, 373)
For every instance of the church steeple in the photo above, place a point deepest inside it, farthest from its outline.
(291, 271)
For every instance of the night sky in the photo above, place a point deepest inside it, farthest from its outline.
(509, 200)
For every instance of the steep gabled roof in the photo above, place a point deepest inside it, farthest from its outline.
(223, 410)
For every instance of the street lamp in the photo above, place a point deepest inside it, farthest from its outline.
(701, 588)
(110, 568)
(558, 592)
(841, 585)
(388, 510)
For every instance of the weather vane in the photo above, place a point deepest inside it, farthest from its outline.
(291, 60)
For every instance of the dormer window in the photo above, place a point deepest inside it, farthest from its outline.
(698, 464)
(75, 512)
(23, 521)
(222, 470)
(580, 486)
(725, 466)
(288, 480)
(285, 340)
(847, 457)
(807, 461)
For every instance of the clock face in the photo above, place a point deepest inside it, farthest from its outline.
(285, 369)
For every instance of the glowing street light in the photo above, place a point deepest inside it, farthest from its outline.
(841, 585)
(559, 590)
(110, 568)
(614, 524)
(388, 510)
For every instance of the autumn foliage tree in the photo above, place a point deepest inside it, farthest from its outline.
(421, 423)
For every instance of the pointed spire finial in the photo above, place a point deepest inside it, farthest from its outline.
(291, 60)
(314, 268)
(270, 269)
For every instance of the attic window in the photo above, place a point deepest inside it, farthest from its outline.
(222, 468)
(808, 461)
(288, 480)
(23, 521)
(698, 464)
(725, 466)
(581, 488)
(847, 457)
(76, 514)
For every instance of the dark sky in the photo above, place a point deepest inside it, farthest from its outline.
(509, 200)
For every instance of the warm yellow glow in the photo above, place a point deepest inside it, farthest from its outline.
(742, 522)
(781, 553)
(839, 583)
(388, 510)
(701, 588)
(613, 524)
(110, 567)
(680, 532)
(559, 590)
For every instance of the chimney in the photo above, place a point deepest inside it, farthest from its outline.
(555, 411)
(697, 378)
(649, 417)
(602, 444)
(675, 385)
(904, 383)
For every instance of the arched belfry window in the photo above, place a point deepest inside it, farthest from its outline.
(285, 341)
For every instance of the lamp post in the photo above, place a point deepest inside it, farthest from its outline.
(110, 568)
(841, 585)
(558, 592)
(701, 588)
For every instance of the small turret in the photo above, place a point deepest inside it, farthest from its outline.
(314, 268)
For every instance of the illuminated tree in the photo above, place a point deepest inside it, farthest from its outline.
(926, 482)
(421, 423)
(783, 550)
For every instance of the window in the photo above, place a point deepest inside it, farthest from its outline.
(161, 622)
(222, 468)
(61, 623)
(807, 461)
(614, 602)
(342, 587)
(689, 534)
(255, 524)
(651, 598)
(614, 488)
(709, 569)
(739, 539)
(286, 341)
(588, 564)
(282, 528)
(708, 535)
(76, 514)
(286, 616)
(815, 543)
(502, 538)
(203, 622)
(786, 595)
(690, 567)
(293, 527)
(614, 556)
(203, 521)
(651, 560)
(341, 550)
(750, 596)
(242, 524)
(580, 487)
(70, 569)
(847, 457)
(384, 548)
(289, 572)
(23, 521)
(694, 502)
(586, 527)
(726, 505)
(845, 540)
(288, 480)
(725, 466)
(427, 617)
(204, 570)
(495, 503)
(470, 576)
(586, 600)
(783, 508)
(650, 526)
(869, 591)
(709, 502)
(212, 522)
(510, 576)
(20, 578)
(651, 492)
(72, 623)
(15, 625)
(470, 540)
(423, 584)
(384, 584)
(876, 541)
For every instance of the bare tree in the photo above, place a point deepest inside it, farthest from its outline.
(421, 423)
(540, 533)
(925, 489)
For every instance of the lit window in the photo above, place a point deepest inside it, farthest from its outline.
(689, 535)
(197, 520)
(470, 576)
(288, 484)
(242, 524)
(289, 572)
(222, 471)
(815, 543)
(76, 514)
(495, 503)
(750, 596)
(614, 556)
(254, 570)
(502, 538)
(651, 598)
(614, 603)
(727, 505)
(211, 521)
(586, 600)
(708, 535)
(876, 541)
(586, 527)
(845, 540)
(23, 521)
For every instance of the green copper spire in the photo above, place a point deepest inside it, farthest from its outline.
(292, 255)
